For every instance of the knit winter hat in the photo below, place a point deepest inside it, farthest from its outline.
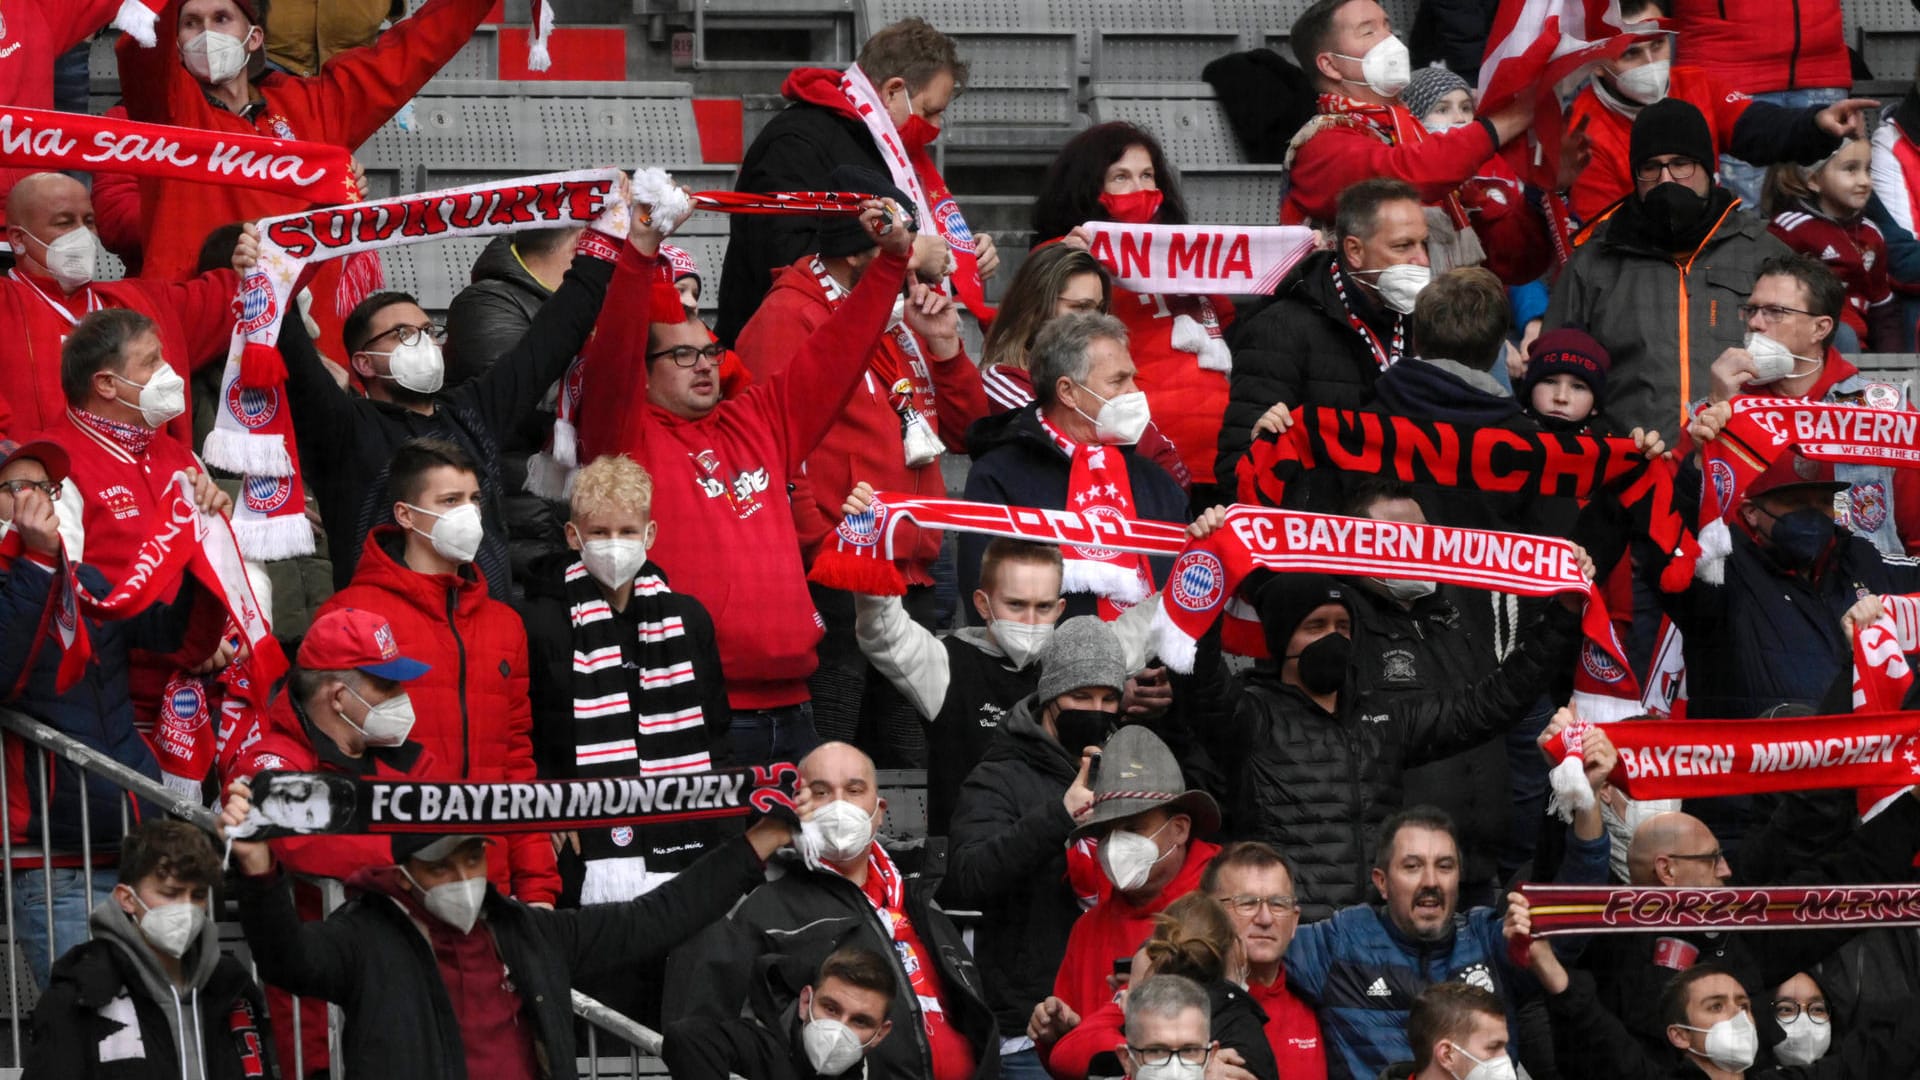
(837, 237)
(1568, 352)
(1428, 86)
(1082, 652)
(1286, 600)
(1671, 126)
(680, 261)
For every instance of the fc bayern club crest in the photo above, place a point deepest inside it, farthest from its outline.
(622, 835)
(184, 705)
(863, 528)
(265, 494)
(953, 224)
(257, 307)
(1722, 474)
(1198, 581)
(254, 406)
(1599, 665)
(1867, 506)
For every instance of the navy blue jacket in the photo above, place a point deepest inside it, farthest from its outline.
(97, 710)
(1361, 973)
(1015, 463)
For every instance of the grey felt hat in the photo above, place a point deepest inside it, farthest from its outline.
(1137, 774)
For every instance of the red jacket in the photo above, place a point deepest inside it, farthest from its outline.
(1608, 176)
(865, 442)
(32, 37)
(355, 93)
(1113, 929)
(194, 319)
(472, 710)
(1857, 254)
(1766, 45)
(1342, 154)
(726, 533)
(285, 741)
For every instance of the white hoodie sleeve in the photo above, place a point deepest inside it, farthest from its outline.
(908, 654)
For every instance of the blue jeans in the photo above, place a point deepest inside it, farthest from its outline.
(764, 736)
(1745, 180)
(1024, 1065)
(71, 906)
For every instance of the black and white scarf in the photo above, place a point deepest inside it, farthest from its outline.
(643, 719)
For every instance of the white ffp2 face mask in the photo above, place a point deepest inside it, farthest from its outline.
(456, 903)
(832, 1047)
(1498, 1067)
(456, 534)
(162, 397)
(1731, 1043)
(1122, 419)
(614, 563)
(172, 928)
(1021, 641)
(1773, 361)
(386, 724)
(419, 367)
(214, 57)
(1647, 83)
(838, 831)
(1129, 858)
(1386, 69)
(1399, 285)
(1806, 1041)
(72, 257)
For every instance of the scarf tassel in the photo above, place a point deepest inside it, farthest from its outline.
(868, 574)
(139, 20)
(1118, 583)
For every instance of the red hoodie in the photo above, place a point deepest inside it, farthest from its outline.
(726, 533)
(355, 93)
(32, 37)
(1113, 929)
(472, 711)
(865, 442)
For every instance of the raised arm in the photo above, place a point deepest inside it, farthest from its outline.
(360, 89)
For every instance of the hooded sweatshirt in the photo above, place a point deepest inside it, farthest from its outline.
(181, 1005)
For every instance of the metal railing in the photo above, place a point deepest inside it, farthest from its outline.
(48, 749)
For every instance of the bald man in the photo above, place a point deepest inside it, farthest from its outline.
(1679, 849)
(842, 888)
(51, 288)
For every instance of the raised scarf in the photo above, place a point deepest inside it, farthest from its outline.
(914, 172)
(1601, 909)
(861, 557)
(1761, 427)
(1494, 460)
(1882, 676)
(643, 720)
(1236, 260)
(315, 172)
(1211, 569)
(311, 803)
(1692, 759)
(253, 431)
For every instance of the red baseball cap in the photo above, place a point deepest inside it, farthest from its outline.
(1793, 470)
(351, 638)
(50, 456)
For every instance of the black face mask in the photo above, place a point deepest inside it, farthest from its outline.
(1673, 212)
(1081, 728)
(1323, 664)
(1800, 537)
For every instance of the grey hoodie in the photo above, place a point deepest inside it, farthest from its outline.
(112, 925)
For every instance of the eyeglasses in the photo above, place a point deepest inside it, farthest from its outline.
(1159, 1057)
(1245, 906)
(1769, 313)
(1788, 1011)
(1678, 168)
(686, 355)
(410, 335)
(1713, 856)
(14, 487)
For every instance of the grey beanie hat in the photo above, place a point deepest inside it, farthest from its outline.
(1082, 652)
(1428, 86)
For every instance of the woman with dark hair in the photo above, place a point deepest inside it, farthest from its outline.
(1194, 937)
(1117, 172)
(1055, 280)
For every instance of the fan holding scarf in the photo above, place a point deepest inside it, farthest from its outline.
(880, 114)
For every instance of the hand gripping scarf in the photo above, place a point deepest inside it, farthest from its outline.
(1236, 260)
(32, 139)
(1291, 541)
(1882, 676)
(861, 557)
(913, 172)
(253, 432)
(304, 804)
(1761, 427)
(1493, 460)
(1599, 909)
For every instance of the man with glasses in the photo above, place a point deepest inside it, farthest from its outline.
(1796, 306)
(919, 394)
(1657, 278)
(393, 348)
(1252, 880)
(1169, 1029)
(1676, 849)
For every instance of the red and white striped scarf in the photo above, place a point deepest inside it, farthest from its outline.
(1098, 486)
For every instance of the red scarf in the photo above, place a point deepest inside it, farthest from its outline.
(1761, 427)
(1099, 487)
(1600, 909)
(1882, 676)
(1690, 759)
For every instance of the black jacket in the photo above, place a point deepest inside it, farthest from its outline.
(702, 1048)
(1267, 99)
(371, 960)
(797, 920)
(1301, 349)
(1007, 859)
(797, 151)
(78, 1029)
(347, 442)
(1015, 463)
(1319, 786)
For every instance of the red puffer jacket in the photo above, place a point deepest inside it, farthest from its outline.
(1759, 46)
(471, 711)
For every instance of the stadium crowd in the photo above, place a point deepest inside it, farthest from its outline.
(572, 533)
